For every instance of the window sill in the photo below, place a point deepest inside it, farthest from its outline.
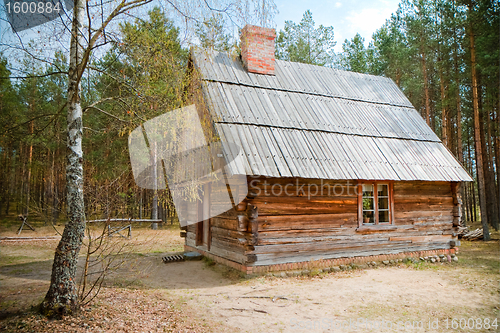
(375, 228)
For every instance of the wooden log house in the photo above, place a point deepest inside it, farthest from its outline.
(340, 166)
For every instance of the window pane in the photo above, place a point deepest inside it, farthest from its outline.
(368, 204)
(383, 203)
(367, 190)
(379, 213)
(383, 216)
(368, 217)
(383, 190)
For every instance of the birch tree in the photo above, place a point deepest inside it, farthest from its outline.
(62, 296)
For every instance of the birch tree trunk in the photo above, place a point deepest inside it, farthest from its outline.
(62, 296)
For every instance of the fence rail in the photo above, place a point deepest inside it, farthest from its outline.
(117, 230)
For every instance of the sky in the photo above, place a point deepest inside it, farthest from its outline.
(346, 16)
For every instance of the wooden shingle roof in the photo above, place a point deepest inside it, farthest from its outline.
(316, 122)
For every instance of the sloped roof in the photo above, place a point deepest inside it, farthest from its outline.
(316, 122)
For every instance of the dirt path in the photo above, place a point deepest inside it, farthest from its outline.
(323, 303)
(195, 296)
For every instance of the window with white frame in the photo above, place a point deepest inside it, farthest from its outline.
(375, 203)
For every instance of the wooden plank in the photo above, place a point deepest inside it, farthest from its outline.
(240, 72)
(306, 112)
(228, 244)
(335, 161)
(296, 146)
(276, 153)
(289, 154)
(239, 139)
(316, 239)
(303, 120)
(402, 170)
(316, 109)
(230, 224)
(423, 199)
(215, 101)
(274, 115)
(419, 207)
(306, 222)
(288, 108)
(420, 239)
(324, 246)
(283, 116)
(360, 205)
(254, 106)
(264, 151)
(306, 181)
(311, 201)
(328, 230)
(291, 80)
(323, 167)
(222, 233)
(244, 112)
(340, 155)
(227, 97)
(228, 254)
(240, 162)
(427, 188)
(272, 259)
(292, 208)
(255, 158)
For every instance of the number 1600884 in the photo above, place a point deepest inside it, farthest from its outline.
(32, 7)
(471, 323)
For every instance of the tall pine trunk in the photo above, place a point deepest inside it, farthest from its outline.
(62, 296)
(490, 176)
(477, 133)
(30, 163)
(460, 154)
(426, 89)
(497, 153)
(444, 115)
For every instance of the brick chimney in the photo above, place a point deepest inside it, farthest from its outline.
(257, 49)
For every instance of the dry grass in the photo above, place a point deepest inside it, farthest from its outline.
(119, 310)
(145, 295)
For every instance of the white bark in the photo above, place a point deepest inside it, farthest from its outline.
(62, 296)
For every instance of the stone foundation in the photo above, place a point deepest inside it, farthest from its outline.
(321, 264)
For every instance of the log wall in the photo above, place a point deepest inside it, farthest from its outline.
(291, 220)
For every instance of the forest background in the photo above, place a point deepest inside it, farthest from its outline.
(444, 55)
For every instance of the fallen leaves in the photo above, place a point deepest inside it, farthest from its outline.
(115, 310)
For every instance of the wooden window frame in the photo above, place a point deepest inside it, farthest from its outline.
(376, 224)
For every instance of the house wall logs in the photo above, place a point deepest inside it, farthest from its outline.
(290, 220)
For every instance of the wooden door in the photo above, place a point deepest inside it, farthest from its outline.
(203, 235)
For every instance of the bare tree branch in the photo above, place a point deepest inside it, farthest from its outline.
(114, 78)
(33, 76)
(106, 113)
(99, 102)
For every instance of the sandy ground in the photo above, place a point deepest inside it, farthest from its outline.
(347, 301)
(421, 298)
